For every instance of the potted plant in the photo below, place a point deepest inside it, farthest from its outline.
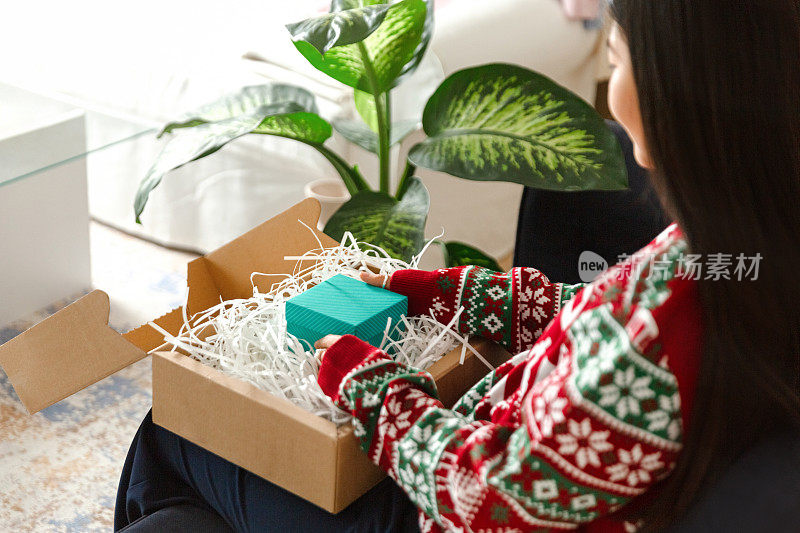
(495, 122)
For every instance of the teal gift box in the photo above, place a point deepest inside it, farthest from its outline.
(342, 305)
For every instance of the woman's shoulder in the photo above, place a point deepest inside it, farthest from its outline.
(645, 309)
(650, 276)
(647, 294)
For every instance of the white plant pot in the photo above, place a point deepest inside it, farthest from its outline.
(331, 195)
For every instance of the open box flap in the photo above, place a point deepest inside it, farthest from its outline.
(262, 249)
(66, 353)
(75, 347)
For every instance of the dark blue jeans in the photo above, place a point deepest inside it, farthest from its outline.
(163, 470)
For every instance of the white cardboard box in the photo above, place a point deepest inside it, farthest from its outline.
(44, 217)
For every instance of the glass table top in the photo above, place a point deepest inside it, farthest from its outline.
(39, 133)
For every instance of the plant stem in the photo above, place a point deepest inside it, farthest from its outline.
(385, 141)
(404, 179)
(381, 108)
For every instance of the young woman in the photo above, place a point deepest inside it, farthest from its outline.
(628, 396)
(631, 394)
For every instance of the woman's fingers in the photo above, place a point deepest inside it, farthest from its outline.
(326, 342)
(376, 280)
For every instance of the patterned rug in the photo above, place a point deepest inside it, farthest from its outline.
(59, 468)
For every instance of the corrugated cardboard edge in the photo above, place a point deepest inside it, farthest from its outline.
(350, 458)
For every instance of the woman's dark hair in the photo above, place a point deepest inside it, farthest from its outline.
(719, 92)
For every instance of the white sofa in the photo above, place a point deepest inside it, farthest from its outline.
(154, 60)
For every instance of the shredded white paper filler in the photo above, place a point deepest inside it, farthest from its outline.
(247, 338)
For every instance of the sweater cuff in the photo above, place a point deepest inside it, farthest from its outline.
(339, 360)
(417, 286)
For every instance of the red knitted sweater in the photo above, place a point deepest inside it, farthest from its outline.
(585, 419)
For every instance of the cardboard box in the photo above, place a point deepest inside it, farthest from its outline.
(250, 427)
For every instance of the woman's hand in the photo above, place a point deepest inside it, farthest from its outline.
(377, 280)
(339, 355)
(326, 342)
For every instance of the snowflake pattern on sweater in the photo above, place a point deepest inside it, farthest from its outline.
(511, 309)
(584, 419)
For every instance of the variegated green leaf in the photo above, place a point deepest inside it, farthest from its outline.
(358, 133)
(502, 122)
(244, 101)
(302, 126)
(283, 120)
(459, 254)
(388, 49)
(427, 32)
(339, 28)
(422, 47)
(379, 219)
(341, 5)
